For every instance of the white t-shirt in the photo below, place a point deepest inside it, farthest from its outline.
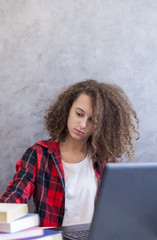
(80, 191)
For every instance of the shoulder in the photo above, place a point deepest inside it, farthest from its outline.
(48, 145)
(39, 149)
(44, 143)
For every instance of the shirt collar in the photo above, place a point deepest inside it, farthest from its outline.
(51, 144)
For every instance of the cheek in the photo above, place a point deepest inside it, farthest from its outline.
(68, 123)
(70, 120)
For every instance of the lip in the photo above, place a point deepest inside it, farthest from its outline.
(78, 132)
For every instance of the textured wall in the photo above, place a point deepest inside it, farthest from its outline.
(47, 44)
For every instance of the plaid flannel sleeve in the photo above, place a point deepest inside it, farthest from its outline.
(21, 188)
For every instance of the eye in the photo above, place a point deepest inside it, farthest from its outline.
(91, 120)
(79, 114)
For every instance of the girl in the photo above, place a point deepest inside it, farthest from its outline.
(90, 123)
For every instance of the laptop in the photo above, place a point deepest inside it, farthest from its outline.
(126, 208)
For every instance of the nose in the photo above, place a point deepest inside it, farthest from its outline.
(83, 123)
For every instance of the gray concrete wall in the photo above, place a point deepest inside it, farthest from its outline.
(47, 44)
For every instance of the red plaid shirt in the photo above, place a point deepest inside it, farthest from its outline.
(40, 173)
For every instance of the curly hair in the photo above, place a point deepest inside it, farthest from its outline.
(115, 122)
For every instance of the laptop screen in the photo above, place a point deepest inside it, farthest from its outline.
(126, 208)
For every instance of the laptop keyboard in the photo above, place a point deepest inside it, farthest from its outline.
(80, 235)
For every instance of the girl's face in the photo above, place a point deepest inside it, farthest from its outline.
(80, 123)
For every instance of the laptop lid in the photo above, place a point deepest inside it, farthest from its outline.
(126, 208)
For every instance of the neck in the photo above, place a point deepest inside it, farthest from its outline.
(74, 146)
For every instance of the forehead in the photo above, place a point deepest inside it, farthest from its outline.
(84, 102)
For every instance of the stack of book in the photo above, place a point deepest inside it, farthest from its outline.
(17, 223)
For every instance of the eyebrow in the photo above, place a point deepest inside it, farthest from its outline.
(80, 109)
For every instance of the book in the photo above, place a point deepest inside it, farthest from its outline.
(31, 232)
(48, 235)
(12, 211)
(27, 221)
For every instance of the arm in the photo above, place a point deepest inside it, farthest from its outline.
(21, 188)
